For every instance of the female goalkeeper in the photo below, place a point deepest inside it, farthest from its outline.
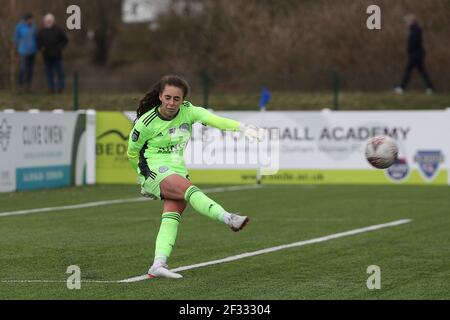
(156, 145)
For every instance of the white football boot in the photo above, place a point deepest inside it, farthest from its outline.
(238, 222)
(161, 271)
(398, 90)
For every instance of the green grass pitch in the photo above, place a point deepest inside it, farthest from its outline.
(115, 242)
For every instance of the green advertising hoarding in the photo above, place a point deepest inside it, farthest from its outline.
(112, 131)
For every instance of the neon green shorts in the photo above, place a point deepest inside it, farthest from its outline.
(151, 179)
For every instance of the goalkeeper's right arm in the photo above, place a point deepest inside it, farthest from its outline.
(135, 143)
(133, 161)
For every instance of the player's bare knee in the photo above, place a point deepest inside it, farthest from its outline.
(175, 206)
(184, 186)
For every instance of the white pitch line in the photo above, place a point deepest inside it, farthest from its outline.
(117, 201)
(282, 247)
(58, 281)
(70, 207)
(236, 257)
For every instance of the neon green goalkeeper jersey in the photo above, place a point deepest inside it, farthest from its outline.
(154, 141)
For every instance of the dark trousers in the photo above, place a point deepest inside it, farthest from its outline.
(54, 69)
(26, 66)
(416, 60)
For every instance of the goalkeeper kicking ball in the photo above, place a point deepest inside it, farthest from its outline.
(381, 152)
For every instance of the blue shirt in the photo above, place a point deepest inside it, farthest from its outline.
(25, 38)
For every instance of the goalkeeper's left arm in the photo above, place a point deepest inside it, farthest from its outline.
(223, 123)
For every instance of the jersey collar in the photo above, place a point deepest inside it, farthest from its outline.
(162, 117)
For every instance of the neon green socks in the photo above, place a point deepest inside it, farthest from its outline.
(170, 220)
(167, 235)
(204, 205)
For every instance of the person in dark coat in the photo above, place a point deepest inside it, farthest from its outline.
(51, 41)
(416, 56)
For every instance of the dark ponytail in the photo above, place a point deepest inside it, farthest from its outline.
(151, 99)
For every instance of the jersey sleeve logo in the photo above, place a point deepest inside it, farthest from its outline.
(135, 135)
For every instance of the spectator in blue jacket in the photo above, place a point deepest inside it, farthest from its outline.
(26, 46)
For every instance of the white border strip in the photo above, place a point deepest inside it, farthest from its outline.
(58, 281)
(118, 201)
(282, 247)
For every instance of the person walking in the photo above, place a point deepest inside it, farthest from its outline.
(416, 56)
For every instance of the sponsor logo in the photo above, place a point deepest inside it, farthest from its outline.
(115, 144)
(42, 135)
(42, 177)
(428, 161)
(113, 132)
(135, 135)
(5, 134)
(172, 130)
(399, 170)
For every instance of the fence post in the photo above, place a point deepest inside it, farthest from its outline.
(336, 88)
(206, 82)
(12, 66)
(75, 91)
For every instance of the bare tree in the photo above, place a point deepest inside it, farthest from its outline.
(7, 48)
(103, 17)
(285, 44)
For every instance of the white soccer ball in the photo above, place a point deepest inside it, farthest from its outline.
(381, 152)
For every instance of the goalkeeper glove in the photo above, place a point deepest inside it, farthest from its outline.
(252, 132)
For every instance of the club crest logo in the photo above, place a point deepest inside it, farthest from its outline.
(163, 169)
(399, 170)
(184, 127)
(428, 162)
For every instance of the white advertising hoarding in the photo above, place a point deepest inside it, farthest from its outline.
(42, 150)
(328, 147)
